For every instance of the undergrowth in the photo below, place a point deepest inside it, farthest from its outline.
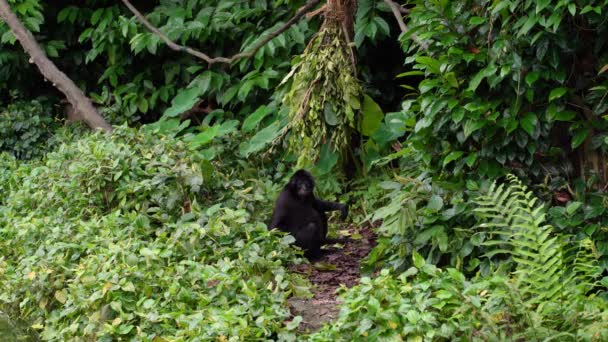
(120, 237)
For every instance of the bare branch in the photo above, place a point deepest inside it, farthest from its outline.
(397, 10)
(76, 97)
(212, 60)
(404, 10)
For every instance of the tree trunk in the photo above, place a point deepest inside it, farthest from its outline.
(75, 96)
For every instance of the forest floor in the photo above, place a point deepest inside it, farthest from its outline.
(338, 266)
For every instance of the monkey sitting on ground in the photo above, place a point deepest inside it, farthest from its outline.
(298, 212)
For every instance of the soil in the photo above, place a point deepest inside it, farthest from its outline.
(338, 266)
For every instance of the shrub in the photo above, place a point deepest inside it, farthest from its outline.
(108, 238)
(26, 127)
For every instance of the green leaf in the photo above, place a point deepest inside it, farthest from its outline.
(474, 21)
(328, 158)
(254, 119)
(185, 100)
(579, 137)
(566, 115)
(418, 260)
(454, 155)
(532, 20)
(474, 82)
(410, 73)
(372, 116)
(529, 122)
(431, 64)
(435, 203)
(205, 137)
(471, 159)
(572, 9)
(458, 114)
(261, 138)
(500, 5)
(330, 116)
(541, 5)
(293, 324)
(61, 296)
(557, 93)
(472, 125)
(143, 105)
(531, 77)
(451, 78)
(229, 94)
(573, 206)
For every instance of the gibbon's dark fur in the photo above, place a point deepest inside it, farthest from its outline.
(298, 212)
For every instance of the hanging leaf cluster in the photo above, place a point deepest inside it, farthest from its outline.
(324, 97)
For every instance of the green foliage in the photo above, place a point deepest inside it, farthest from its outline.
(583, 217)
(419, 214)
(548, 290)
(514, 224)
(369, 24)
(26, 128)
(133, 76)
(8, 167)
(115, 237)
(324, 97)
(422, 304)
(498, 86)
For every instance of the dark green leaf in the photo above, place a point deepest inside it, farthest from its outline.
(557, 93)
(529, 122)
(579, 137)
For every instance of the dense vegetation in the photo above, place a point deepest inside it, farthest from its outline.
(472, 134)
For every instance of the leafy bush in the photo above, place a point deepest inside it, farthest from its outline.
(8, 165)
(546, 290)
(419, 214)
(423, 303)
(107, 238)
(499, 91)
(26, 127)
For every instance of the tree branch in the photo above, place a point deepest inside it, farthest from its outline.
(396, 9)
(212, 60)
(81, 103)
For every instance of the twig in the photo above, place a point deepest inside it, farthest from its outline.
(396, 9)
(212, 60)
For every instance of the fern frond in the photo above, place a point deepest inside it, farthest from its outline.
(516, 220)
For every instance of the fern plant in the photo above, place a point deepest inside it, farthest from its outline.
(514, 221)
(552, 280)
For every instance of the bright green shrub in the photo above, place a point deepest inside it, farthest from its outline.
(107, 238)
(422, 304)
(429, 304)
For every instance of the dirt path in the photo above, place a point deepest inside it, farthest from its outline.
(337, 266)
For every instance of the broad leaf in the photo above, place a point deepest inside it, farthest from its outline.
(579, 137)
(185, 100)
(529, 122)
(557, 93)
(372, 116)
(254, 119)
(261, 138)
